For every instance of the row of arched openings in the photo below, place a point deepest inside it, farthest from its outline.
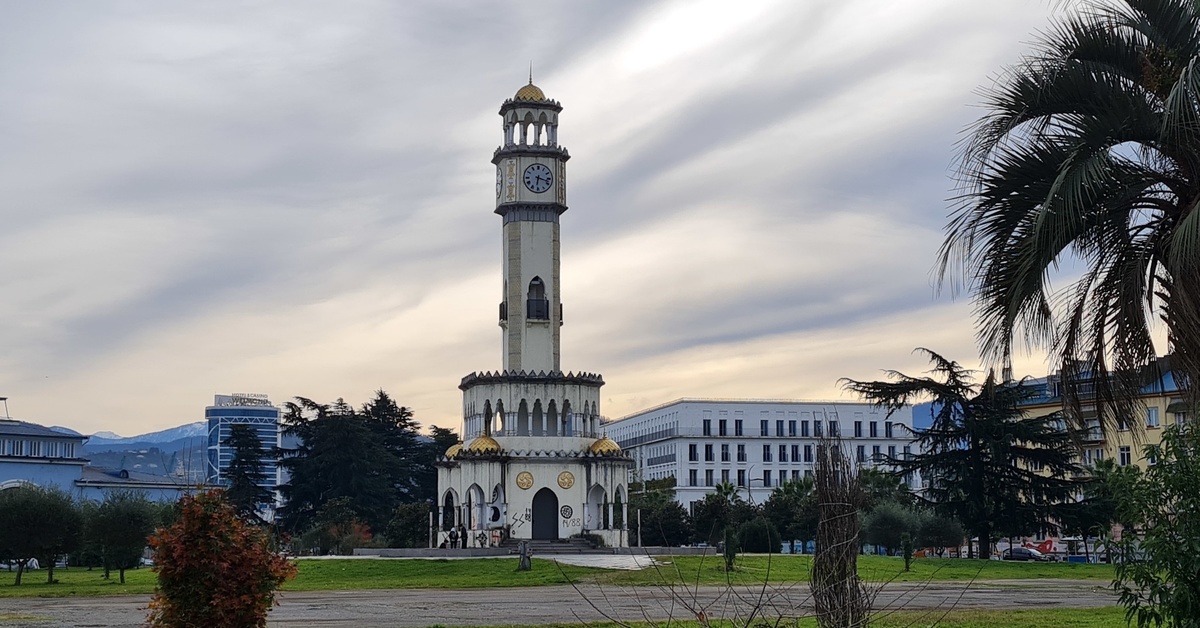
(531, 131)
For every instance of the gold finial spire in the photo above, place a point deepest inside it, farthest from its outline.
(531, 72)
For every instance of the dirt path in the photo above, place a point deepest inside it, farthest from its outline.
(561, 604)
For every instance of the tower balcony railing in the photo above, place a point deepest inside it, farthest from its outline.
(537, 309)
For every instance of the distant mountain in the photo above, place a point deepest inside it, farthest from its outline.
(177, 452)
(189, 431)
(65, 430)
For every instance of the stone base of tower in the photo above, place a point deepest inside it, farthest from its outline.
(532, 465)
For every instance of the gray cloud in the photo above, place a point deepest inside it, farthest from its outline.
(296, 198)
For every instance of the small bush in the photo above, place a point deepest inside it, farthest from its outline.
(760, 536)
(214, 569)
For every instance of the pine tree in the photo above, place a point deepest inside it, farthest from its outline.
(988, 466)
(245, 475)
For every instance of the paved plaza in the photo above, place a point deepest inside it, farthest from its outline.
(565, 604)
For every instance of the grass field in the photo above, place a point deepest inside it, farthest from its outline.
(335, 574)
(790, 568)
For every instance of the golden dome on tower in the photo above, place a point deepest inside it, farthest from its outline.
(484, 445)
(605, 447)
(454, 449)
(530, 92)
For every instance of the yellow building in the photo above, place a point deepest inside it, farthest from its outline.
(1163, 405)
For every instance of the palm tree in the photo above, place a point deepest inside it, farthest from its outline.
(988, 465)
(883, 486)
(1089, 155)
(792, 508)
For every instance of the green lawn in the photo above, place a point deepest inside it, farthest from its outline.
(791, 568)
(76, 582)
(335, 574)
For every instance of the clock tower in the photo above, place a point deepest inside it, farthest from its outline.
(533, 463)
(531, 194)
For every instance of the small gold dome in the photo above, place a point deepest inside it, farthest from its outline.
(454, 449)
(530, 92)
(605, 447)
(484, 445)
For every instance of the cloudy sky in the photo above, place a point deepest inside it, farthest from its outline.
(296, 198)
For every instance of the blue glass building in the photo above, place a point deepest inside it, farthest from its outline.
(256, 412)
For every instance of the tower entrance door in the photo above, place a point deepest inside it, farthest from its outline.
(545, 515)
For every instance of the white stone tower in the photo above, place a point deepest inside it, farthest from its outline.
(531, 194)
(532, 464)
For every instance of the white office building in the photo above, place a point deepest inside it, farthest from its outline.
(753, 444)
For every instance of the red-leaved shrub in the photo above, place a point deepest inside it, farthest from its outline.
(214, 569)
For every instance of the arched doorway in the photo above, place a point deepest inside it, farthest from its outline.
(448, 512)
(545, 515)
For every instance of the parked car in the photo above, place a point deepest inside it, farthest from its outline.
(1023, 553)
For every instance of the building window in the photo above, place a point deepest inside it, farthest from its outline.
(766, 453)
(804, 429)
(779, 428)
(68, 450)
(795, 453)
(795, 475)
(875, 456)
(722, 427)
(887, 429)
(1126, 456)
(708, 427)
(724, 476)
(834, 432)
(708, 452)
(741, 454)
(817, 429)
(858, 429)
(783, 453)
(907, 451)
(1151, 417)
(708, 477)
(862, 453)
(891, 452)
(808, 453)
(692, 474)
(1180, 418)
(874, 429)
(792, 429)
(724, 453)
(741, 477)
(1122, 424)
(35, 448)
(765, 427)
(766, 477)
(693, 452)
(737, 427)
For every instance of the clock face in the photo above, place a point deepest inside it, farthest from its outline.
(538, 178)
(499, 182)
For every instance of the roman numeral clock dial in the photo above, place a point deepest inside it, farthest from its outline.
(538, 178)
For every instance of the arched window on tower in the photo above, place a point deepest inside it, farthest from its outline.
(537, 306)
